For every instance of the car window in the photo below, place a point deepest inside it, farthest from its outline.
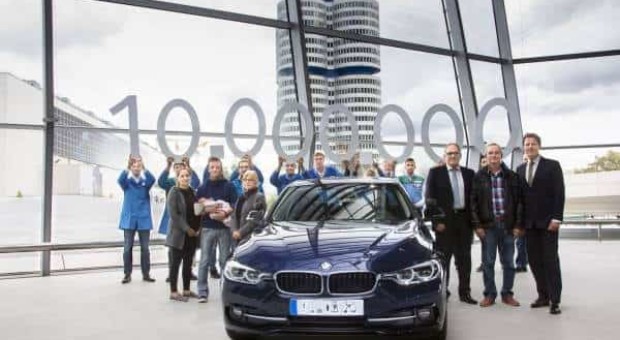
(342, 201)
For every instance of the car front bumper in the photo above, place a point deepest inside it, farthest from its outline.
(389, 310)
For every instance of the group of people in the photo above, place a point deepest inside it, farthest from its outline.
(496, 203)
(209, 215)
(499, 204)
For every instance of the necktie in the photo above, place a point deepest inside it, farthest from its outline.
(455, 189)
(530, 172)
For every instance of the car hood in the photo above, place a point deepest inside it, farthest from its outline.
(344, 245)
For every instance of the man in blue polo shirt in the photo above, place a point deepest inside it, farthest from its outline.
(289, 176)
(321, 170)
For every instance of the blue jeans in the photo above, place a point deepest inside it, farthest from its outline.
(521, 261)
(499, 239)
(213, 258)
(209, 238)
(145, 254)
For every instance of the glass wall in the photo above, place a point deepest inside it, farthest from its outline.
(21, 135)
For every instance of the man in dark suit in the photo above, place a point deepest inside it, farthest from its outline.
(544, 211)
(448, 189)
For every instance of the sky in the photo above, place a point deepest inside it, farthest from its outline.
(104, 52)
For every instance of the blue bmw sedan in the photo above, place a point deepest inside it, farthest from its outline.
(337, 256)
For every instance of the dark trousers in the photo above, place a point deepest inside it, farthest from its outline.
(185, 255)
(145, 255)
(456, 240)
(521, 261)
(542, 252)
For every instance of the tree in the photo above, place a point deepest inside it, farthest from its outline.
(609, 162)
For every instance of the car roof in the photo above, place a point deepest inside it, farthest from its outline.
(346, 180)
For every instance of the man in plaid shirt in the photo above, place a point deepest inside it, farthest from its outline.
(497, 217)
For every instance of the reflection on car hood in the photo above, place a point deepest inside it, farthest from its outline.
(345, 245)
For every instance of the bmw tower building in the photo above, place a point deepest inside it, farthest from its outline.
(340, 71)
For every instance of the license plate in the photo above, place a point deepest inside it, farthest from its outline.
(326, 307)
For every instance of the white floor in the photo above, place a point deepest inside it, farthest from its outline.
(96, 306)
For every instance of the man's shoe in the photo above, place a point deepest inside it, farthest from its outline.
(487, 301)
(521, 269)
(555, 309)
(509, 300)
(468, 299)
(202, 299)
(148, 279)
(540, 303)
(126, 279)
(214, 274)
(193, 277)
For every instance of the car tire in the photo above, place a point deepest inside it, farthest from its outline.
(240, 336)
(444, 331)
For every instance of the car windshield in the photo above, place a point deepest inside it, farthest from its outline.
(384, 202)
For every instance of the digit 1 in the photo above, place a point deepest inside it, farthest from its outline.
(131, 103)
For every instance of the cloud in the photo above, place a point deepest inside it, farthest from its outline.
(76, 24)
(419, 22)
(557, 27)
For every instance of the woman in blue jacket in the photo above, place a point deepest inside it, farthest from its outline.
(136, 183)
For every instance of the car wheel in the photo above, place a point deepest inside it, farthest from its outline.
(240, 336)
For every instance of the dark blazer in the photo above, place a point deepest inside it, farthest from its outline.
(544, 200)
(245, 204)
(482, 199)
(177, 208)
(438, 188)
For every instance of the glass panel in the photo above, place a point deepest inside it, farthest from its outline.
(479, 27)
(488, 84)
(539, 28)
(109, 257)
(21, 186)
(20, 263)
(592, 191)
(365, 78)
(420, 22)
(570, 102)
(261, 8)
(21, 57)
(210, 71)
(87, 199)
(416, 82)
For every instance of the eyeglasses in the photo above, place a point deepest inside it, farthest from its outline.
(456, 153)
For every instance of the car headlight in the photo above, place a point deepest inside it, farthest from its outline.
(235, 271)
(422, 272)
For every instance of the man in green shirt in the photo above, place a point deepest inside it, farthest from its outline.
(413, 183)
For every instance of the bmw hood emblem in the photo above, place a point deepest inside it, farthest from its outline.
(326, 266)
